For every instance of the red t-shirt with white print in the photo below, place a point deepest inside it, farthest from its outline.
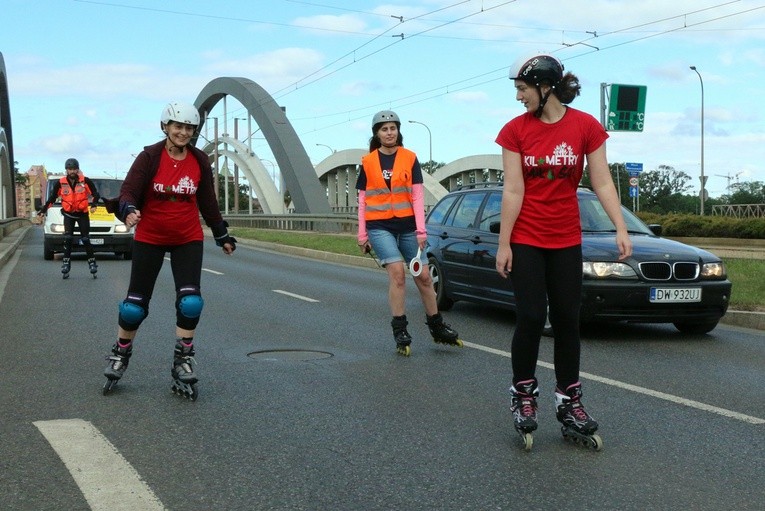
(170, 215)
(553, 158)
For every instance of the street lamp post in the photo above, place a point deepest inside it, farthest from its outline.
(703, 179)
(330, 149)
(430, 142)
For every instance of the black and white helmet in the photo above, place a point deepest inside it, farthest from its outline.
(538, 70)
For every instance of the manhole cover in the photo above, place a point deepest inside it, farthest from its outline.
(300, 355)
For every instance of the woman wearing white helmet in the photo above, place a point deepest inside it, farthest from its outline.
(169, 184)
(392, 223)
(543, 155)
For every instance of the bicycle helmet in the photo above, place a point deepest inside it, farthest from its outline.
(180, 112)
(72, 163)
(537, 70)
(385, 116)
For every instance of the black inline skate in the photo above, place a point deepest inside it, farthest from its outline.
(184, 379)
(442, 333)
(118, 362)
(577, 425)
(402, 337)
(93, 266)
(66, 266)
(523, 404)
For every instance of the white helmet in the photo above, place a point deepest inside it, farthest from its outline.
(180, 112)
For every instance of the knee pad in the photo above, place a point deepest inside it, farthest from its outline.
(133, 310)
(85, 240)
(189, 305)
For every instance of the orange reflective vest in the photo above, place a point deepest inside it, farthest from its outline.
(74, 200)
(384, 203)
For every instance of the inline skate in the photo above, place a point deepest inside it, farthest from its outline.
(577, 425)
(184, 379)
(400, 334)
(66, 266)
(93, 266)
(442, 333)
(118, 363)
(523, 404)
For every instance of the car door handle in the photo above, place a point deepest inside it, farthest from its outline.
(443, 235)
(476, 239)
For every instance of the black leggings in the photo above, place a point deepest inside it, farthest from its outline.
(185, 261)
(83, 220)
(540, 275)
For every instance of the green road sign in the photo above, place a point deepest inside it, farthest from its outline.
(626, 108)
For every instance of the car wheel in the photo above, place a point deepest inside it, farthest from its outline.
(443, 302)
(47, 252)
(702, 327)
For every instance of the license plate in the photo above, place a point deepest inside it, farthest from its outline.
(96, 241)
(675, 294)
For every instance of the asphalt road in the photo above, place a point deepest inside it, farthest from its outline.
(304, 404)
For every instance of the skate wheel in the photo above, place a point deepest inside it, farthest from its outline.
(404, 350)
(596, 443)
(459, 343)
(528, 441)
(108, 386)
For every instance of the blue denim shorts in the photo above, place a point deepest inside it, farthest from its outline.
(391, 248)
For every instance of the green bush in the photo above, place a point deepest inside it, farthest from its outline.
(685, 225)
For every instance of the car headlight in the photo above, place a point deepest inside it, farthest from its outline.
(713, 271)
(57, 228)
(122, 228)
(596, 270)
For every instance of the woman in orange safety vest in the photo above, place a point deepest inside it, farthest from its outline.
(392, 223)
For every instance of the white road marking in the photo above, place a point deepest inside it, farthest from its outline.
(640, 390)
(203, 269)
(293, 295)
(107, 481)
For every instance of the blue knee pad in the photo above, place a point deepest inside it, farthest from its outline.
(188, 305)
(133, 310)
(85, 240)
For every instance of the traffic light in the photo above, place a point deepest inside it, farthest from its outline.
(626, 108)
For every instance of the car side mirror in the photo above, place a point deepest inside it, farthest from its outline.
(655, 228)
(38, 203)
(494, 227)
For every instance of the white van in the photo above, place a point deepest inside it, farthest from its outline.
(107, 234)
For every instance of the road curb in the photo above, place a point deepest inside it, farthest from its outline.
(10, 242)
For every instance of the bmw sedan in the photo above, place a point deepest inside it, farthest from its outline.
(664, 281)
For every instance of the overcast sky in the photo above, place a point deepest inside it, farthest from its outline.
(88, 79)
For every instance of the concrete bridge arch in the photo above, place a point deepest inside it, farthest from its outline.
(296, 168)
(7, 170)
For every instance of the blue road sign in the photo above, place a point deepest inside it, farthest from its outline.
(633, 167)
(633, 191)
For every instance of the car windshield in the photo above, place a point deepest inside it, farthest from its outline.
(594, 218)
(107, 188)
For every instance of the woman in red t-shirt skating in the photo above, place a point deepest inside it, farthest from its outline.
(543, 156)
(169, 184)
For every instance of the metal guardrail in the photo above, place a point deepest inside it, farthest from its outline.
(340, 223)
(739, 210)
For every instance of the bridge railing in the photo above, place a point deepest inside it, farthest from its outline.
(340, 223)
